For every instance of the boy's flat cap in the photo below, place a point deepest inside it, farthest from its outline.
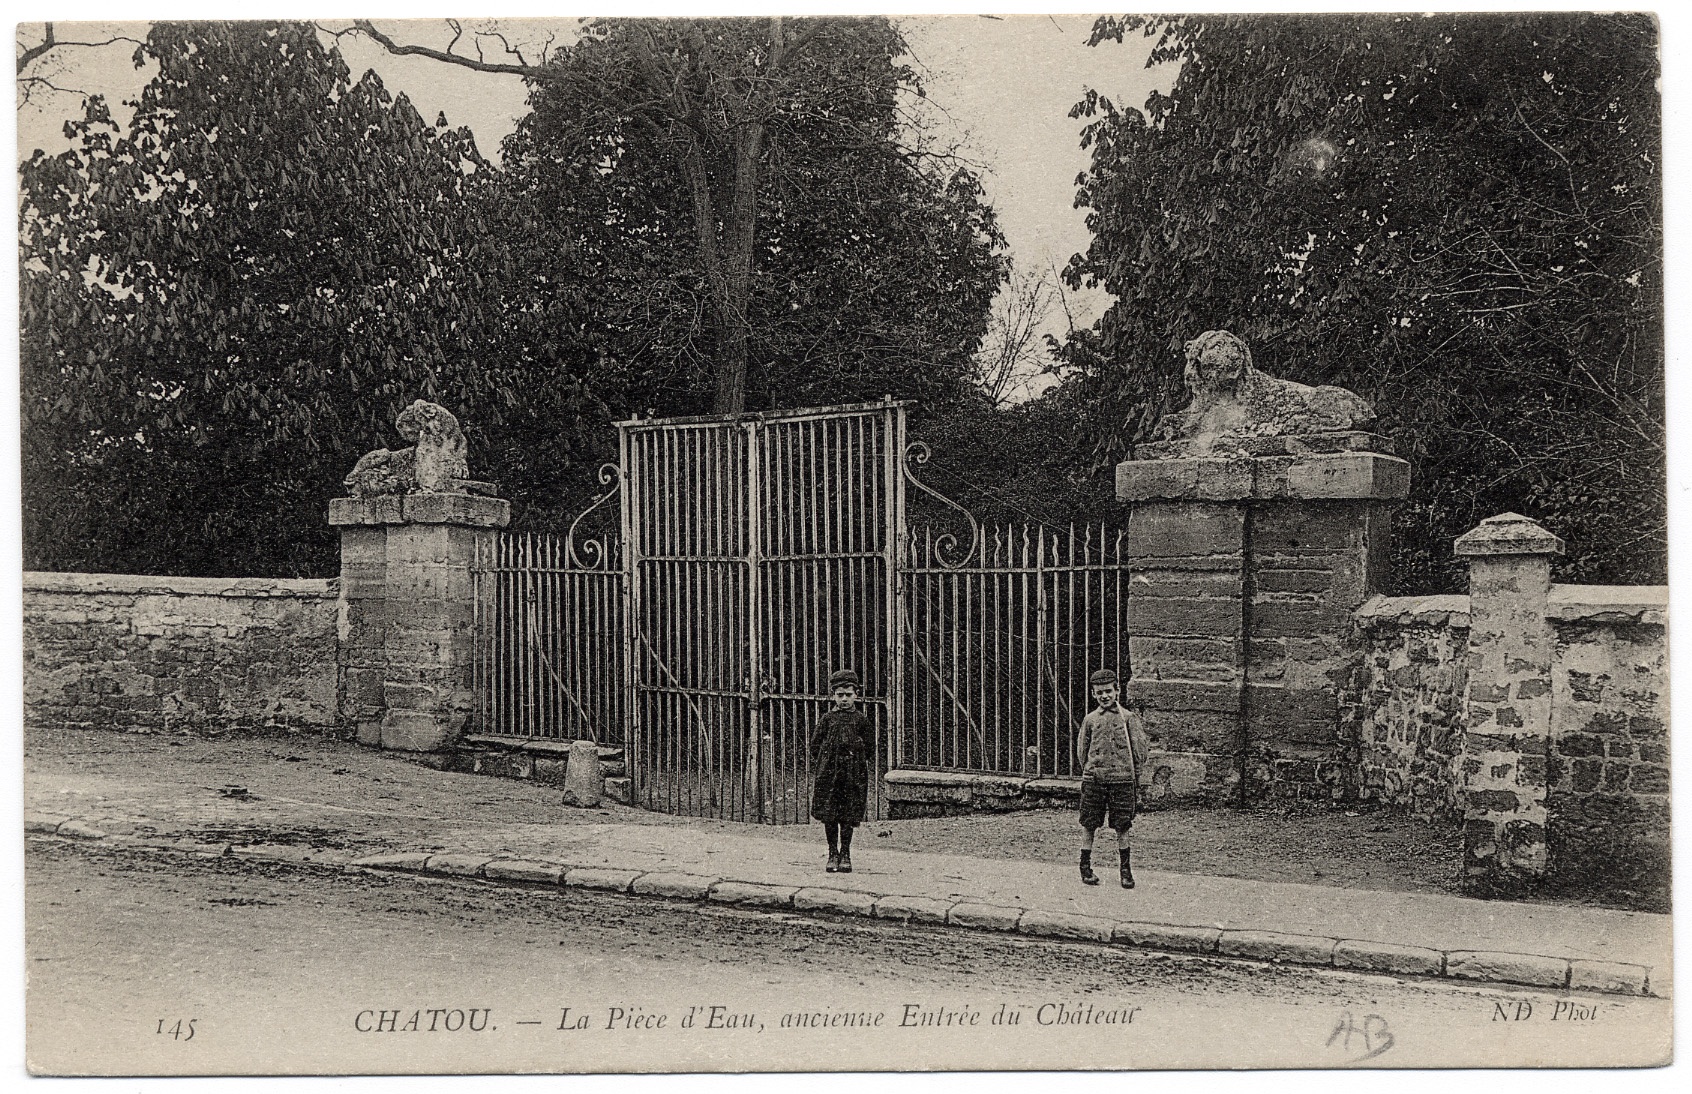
(840, 677)
(1103, 676)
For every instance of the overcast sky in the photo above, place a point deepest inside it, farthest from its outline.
(1001, 86)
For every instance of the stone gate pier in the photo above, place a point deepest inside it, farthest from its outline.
(1259, 523)
(406, 624)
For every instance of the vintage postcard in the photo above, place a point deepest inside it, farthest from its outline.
(852, 543)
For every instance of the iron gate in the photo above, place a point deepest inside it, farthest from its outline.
(752, 556)
(760, 554)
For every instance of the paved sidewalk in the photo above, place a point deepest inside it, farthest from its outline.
(619, 849)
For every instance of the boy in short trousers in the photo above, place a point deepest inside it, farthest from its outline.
(1112, 746)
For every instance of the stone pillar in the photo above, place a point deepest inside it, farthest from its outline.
(407, 613)
(1508, 700)
(1245, 571)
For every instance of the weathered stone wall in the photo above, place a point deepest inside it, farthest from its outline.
(1429, 737)
(179, 654)
(1405, 702)
(1608, 767)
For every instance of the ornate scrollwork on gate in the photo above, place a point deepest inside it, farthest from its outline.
(943, 548)
(594, 553)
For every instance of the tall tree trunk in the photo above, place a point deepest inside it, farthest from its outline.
(725, 255)
(740, 232)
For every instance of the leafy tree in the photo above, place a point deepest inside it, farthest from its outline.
(871, 269)
(225, 302)
(1457, 216)
(739, 190)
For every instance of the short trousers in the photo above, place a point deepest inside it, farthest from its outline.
(1117, 799)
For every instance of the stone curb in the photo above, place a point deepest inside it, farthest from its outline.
(752, 894)
(513, 869)
(457, 865)
(1314, 951)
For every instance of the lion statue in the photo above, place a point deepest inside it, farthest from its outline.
(434, 464)
(1233, 399)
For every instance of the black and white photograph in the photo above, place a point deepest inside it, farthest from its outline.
(667, 543)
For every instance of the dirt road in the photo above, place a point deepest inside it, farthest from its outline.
(145, 965)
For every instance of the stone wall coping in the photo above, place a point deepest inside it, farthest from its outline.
(1608, 603)
(1450, 610)
(310, 588)
(1565, 604)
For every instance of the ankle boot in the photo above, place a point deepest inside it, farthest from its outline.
(1087, 875)
(845, 862)
(1127, 872)
(833, 866)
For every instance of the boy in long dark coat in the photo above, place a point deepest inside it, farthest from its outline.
(842, 746)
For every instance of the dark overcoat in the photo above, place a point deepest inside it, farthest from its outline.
(842, 748)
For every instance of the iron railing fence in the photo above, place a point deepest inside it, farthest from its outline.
(755, 554)
(549, 638)
(1002, 641)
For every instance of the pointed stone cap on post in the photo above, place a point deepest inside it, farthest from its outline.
(1507, 534)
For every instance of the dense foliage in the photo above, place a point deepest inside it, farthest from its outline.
(227, 300)
(1457, 216)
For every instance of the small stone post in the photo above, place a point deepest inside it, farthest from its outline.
(583, 782)
(1508, 700)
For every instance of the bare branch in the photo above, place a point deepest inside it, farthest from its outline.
(28, 55)
(528, 71)
(51, 41)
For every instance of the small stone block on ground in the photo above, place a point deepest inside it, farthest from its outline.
(593, 877)
(404, 860)
(516, 869)
(990, 917)
(81, 830)
(1614, 977)
(758, 896)
(44, 823)
(913, 909)
(1386, 957)
(844, 901)
(1298, 949)
(1087, 928)
(1168, 936)
(1507, 968)
(457, 865)
(678, 886)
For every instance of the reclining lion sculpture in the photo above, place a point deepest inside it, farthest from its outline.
(1232, 400)
(434, 464)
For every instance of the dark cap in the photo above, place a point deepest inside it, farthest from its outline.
(1103, 676)
(842, 677)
